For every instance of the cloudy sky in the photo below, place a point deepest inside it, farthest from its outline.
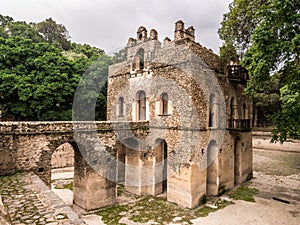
(107, 24)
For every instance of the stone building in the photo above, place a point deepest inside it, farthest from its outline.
(199, 139)
(178, 124)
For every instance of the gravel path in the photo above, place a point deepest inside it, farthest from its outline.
(29, 201)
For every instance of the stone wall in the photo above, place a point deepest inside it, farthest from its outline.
(28, 146)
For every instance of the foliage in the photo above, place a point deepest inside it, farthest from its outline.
(121, 55)
(23, 30)
(56, 34)
(4, 20)
(266, 100)
(155, 210)
(91, 91)
(266, 35)
(243, 193)
(87, 50)
(238, 24)
(38, 79)
(228, 53)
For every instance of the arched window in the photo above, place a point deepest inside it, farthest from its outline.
(164, 103)
(121, 106)
(141, 59)
(141, 105)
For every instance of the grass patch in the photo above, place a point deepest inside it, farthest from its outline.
(243, 193)
(156, 210)
(112, 214)
(69, 186)
(152, 209)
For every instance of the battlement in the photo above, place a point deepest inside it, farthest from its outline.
(144, 49)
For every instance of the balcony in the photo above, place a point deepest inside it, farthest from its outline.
(242, 125)
(237, 74)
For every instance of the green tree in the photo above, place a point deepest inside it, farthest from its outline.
(238, 24)
(266, 101)
(24, 30)
(91, 92)
(270, 43)
(4, 20)
(56, 34)
(38, 80)
(87, 50)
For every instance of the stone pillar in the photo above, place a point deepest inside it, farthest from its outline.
(187, 187)
(147, 175)
(132, 171)
(91, 190)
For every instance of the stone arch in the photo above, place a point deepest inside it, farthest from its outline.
(141, 59)
(63, 156)
(62, 171)
(212, 175)
(121, 104)
(79, 165)
(50, 143)
(161, 166)
(141, 105)
(164, 104)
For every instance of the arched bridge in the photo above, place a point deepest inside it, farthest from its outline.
(28, 146)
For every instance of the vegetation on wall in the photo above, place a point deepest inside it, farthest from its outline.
(40, 69)
(265, 36)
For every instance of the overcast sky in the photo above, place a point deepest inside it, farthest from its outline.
(107, 24)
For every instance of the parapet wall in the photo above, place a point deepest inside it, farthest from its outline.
(262, 140)
(28, 146)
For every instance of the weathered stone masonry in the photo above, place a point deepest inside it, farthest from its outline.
(28, 146)
(181, 125)
(197, 114)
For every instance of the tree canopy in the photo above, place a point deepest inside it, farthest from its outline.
(40, 70)
(265, 34)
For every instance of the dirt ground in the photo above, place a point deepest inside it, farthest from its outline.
(276, 175)
(277, 179)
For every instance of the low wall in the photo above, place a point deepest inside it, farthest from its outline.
(262, 140)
